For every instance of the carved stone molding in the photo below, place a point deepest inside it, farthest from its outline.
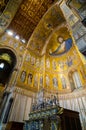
(75, 94)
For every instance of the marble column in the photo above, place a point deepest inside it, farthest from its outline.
(6, 98)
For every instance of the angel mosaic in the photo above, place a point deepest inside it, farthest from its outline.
(47, 63)
(23, 76)
(47, 81)
(63, 80)
(54, 65)
(41, 81)
(30, 77)
(55, 82)
(28, 57)
(36, 80)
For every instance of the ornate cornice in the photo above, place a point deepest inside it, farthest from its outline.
(81, 92)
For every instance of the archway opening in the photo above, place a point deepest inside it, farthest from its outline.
(7, 63)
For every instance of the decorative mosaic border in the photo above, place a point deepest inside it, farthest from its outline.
(8, 14)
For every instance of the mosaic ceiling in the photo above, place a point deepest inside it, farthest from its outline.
(50, 21)
(3, 4)
(28, 16)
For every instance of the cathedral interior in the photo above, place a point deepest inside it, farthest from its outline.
(42, 49)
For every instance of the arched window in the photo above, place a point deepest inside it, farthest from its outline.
(77, 80)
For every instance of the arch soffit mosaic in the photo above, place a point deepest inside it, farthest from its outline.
(50, 21)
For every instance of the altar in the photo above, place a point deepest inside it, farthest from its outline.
(53, 119)
(45, 119)
(46, 114)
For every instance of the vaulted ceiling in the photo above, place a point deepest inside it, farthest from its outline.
(48, 24)
(28, 16)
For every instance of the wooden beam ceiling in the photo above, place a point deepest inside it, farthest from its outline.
(28, 16)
